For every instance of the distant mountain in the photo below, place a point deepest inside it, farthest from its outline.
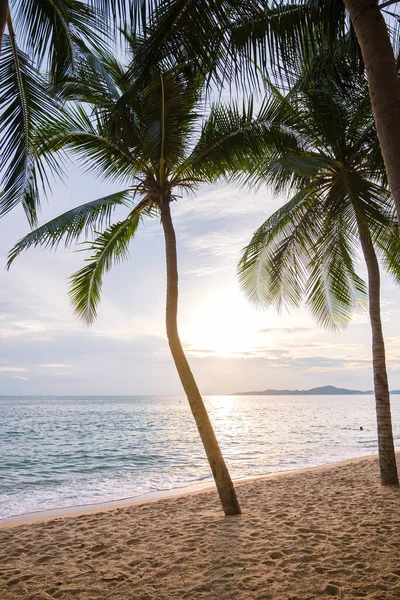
(326, 390)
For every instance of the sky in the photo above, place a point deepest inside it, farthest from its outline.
(232, 346)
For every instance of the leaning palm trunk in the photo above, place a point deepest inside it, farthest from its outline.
(387, 457)
(3, 18)
(218, 467)
(383, 83)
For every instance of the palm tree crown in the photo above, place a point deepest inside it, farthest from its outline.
(152, 148)
(333, 168)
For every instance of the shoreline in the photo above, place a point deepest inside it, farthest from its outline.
(157, 496)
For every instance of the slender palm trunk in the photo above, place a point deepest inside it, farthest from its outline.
(383, 82)
(219, 470)
(387, 457)
(3, 19)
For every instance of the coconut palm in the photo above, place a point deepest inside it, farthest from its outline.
(307, 250)
(153, 150)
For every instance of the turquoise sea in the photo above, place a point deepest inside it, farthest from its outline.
(58, 452)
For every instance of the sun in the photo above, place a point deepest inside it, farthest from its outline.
(224, 325)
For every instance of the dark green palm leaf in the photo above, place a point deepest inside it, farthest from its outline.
(86, 135)
(98, 77)
(69, 226)
(387, 240)
(233, 38)
(230, 140)
(109, 247)
(122, 15)
(25, 101)
(333, 286)
(48, 30)
(168, 116)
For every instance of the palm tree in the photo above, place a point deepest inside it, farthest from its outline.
(308, 248)
(44, 42)
(153, 150)
(231, 36)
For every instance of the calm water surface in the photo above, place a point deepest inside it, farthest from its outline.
(57, 452)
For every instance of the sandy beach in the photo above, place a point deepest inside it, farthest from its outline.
(330, 531)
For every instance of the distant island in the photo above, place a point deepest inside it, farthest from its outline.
(326, 390)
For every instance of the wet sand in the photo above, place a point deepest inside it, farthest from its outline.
(316, 533)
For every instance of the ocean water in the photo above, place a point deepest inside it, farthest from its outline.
(58, 452)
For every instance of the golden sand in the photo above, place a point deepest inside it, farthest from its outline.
(331, 531)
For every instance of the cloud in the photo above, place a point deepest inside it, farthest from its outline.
(221, 243)
(203, 271)
(224, 201)
(24, 328)
(326, 364)
(284, 329)
(40, 314)
(57, 366)
(188, 349)
(105, 365)
(283, 359)
(20, 377)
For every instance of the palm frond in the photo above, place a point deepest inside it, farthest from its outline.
(97, 79)
(387, 242)
(303, 251)
(233, 38)
(169, 24)
(109, 247)
(376, 211)
(69, 226)
(168, 115)
(371, 199)
(232, 141)
(25, 100)
(122, 15)
(333, 286)
(49, 30)
(273, 267)
(86, 135)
